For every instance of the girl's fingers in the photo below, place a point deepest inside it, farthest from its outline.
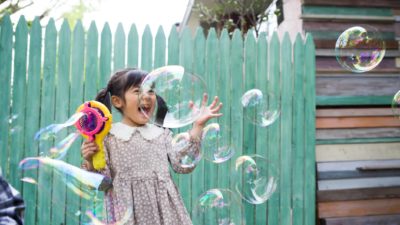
(217, 108)
(214, 102)
(205, 98)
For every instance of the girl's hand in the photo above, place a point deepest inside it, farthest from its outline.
(209, 112)
(88, 149)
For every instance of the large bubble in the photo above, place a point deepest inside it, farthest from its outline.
(218, 206)
(181, 147)
(215, 148)
(179, 96)
(251, 179)
(51, 130)
(359, 49)
(396, 104)
(259, 109)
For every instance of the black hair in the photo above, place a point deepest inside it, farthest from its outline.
(122, 81)
(119, 83)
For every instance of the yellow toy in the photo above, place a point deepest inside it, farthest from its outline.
(95, 125)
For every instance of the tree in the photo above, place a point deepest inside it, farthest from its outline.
(55, 8)
(232, 14)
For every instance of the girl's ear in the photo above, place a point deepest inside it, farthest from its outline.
(116, 101)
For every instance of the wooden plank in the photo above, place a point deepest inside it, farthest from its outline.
(92, 63)
(91, 81)
(355, 85)
(133, 47)
(329, 44)
(333, 35)
(236, 67)
(357, 122)
(355, 3)
(298, 133)
(249, 131)
(19, 102)
(365, 220)
(199, 46)
(359, 208)
(211, 71)
(358, 174)
(261, 133)
(147, 50)
(350, 152)
(357, 133)
(337, 10)
(333, 53)
(160, 48)
(309, 91)
(357, 141)
(105, 56)
(353, 112)
(274, 87)
(173, 59)
(286, 131)
(62, 97)
(354, 100)
(335, 18)
(344, 25)
(47, 116)
(6, 43)
(76, 99)
(225, 97)
(186, 60)
(330, 64)
(375, 182)
(357, 165)
(358, 194)
(119, 48)
(32, 111)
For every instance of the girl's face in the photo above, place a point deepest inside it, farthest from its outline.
(135, 104)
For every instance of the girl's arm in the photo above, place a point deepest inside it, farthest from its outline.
(209, 112)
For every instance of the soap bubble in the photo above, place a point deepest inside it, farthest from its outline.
(359, 49)
(251, 179)
(215, 148)
(180, 146)
(259, 109)
(396, 104)
(218, 206)
(179, 96)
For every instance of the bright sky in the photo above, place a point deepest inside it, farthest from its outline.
(141, 12)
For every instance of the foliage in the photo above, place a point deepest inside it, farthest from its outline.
(232, 14)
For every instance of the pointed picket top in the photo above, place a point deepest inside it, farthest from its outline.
(106, 30)
(275, 38)
(92, 31)
(160, 48)
(78, 29)
(133, 47)
(160, 33)
(237, 36)
(249, 39)
(309, 41)
(65, 29)
(298, 40)
(212, 34)
(51, 28)
(6, 21)
(286, 38)
(186, 48)
(173, 34)
(147, 32)
(22, 26)
(224, 35)
(186, 35)
(199, 36)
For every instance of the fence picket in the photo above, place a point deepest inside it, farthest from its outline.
(119, 48)
(47, 117)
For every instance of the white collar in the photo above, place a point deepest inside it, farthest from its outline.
(124, 132)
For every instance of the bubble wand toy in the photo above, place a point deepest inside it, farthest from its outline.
(95, 125)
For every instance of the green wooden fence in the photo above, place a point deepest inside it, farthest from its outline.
(39, 90)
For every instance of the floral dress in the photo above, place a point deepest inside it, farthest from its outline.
(143, 191)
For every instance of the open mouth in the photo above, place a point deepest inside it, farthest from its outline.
(146, 110)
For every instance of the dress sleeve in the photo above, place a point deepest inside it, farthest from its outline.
(107, 170)
(176, 155)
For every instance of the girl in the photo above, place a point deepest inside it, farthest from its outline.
(137, 155)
